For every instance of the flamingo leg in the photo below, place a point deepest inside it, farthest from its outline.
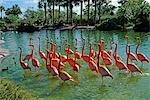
(102, 80)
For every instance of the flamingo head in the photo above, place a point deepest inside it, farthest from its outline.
(20, 48)
(76, 39)
(68, 45)
(32, 46)
(126, 36)
(138, 38)
(30, 38)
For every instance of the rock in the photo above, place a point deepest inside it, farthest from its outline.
(1, 42)
(142, 27)
(108, 26)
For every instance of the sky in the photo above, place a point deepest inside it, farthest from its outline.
(24, 4)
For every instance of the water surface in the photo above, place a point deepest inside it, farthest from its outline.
(124, 86)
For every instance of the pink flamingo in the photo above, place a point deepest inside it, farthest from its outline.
(110, 51)
(55, 60)
(42, 55)
(140, 55)
(106, 60)
(77, 54)
(85, 57)
(66, 49)
(105, 54)
(63, 58)
(65, 76)
(35, 62)
(131, 66)
(51, 69)
(72, 62)
(131, 55)
(22, 63)
(119, 63)
(92, 52)
(102, 69)
(29, 56)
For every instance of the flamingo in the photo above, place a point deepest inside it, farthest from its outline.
(63, 58)
(35, 61)
(53, 49)
(102, 69)
(115, 55)
(77, 54)
(51, 69)
(66, 49)
(106, 60)
(119, 63)
(131, 66)
(85, 57)
(55, 60)
(140, 55)
(42, 55)
(64, 76)
(105, 54)
(92, 52)
(72, 62)
(131, 55)
(29, 56)
(110, 51)
(22, 63)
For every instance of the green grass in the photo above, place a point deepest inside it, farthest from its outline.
(10, 91)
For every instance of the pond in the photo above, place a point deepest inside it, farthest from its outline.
(124, 86)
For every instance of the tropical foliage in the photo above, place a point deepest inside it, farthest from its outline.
(51, 12)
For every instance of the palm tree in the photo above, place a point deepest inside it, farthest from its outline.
(81, 11)
(41, 4)
(1, 10)
(95, 6)
(88, 9)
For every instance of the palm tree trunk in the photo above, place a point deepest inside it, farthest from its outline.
(59, 14)
(45, 13)
(95, 13)
(1, 14)
(53, 10)
(81, 12)
(67, 11)
(71, 7)
(88, 10)
(99, 12)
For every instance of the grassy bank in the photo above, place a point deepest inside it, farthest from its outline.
(10, 91)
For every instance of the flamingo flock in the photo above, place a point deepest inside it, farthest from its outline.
(55, 62)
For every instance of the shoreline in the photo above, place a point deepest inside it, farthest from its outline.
(38, 28)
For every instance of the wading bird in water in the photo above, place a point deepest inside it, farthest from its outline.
(102, 69)
(131, 66)
(42, 55)
(119, 63)
(64, 76)
(35, 61)
(140, 55)
(22, 63)
(131, 55)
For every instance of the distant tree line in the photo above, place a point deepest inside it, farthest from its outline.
(101, 13)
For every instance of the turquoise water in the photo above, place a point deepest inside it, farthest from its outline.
(124, 86)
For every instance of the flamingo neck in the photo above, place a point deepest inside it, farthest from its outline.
(111, 45)
(137, 47)
(20, 55)
(115, 52)
(39, 46)
(32, 52)
(83, 50)
(98, 62)
(76, 42)
(50, 60)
